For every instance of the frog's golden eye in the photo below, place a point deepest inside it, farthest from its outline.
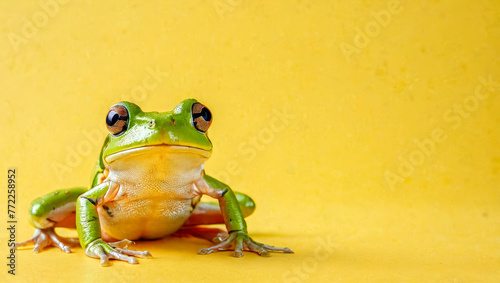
(202, 118)
(117, 119)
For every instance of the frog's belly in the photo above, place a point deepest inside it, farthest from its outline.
(143, 219)
(154, 195)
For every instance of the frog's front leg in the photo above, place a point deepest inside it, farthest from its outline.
(89, 230)
(56, 209)
(238, 239)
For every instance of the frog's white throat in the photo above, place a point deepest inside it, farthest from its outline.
(158, 162)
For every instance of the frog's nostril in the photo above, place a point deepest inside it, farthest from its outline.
(152, 123)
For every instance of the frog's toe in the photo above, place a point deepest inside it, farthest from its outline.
(274, 249)
(48, 237)
(42, 241)
(231, 242)
(205, 251)
(62, 242)
(106, 255)
(99, 251)
(263, 250)
(219, 247)
(257, 248)
(106, 251)
(119, 256)
(105, 262)
(219, 238)
(121, 244)
(238, 250)
(143, 254)
(121, 247)
(25, 243)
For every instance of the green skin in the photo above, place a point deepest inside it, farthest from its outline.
(90, 210)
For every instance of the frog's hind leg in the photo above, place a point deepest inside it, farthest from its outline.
(206, 213)
(56, 209)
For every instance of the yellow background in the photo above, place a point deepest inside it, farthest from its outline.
(319, 179)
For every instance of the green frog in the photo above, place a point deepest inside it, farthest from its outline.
(147, 184)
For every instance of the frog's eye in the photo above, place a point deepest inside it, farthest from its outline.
(117, 119)
(202, 118)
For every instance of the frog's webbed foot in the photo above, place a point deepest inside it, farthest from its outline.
(240, 241)
(48, 237)
(117, 250)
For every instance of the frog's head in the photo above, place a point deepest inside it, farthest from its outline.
(131, 130)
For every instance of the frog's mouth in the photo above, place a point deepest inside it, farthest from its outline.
(160, 149)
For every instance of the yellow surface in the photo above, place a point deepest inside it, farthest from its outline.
(340, 178)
